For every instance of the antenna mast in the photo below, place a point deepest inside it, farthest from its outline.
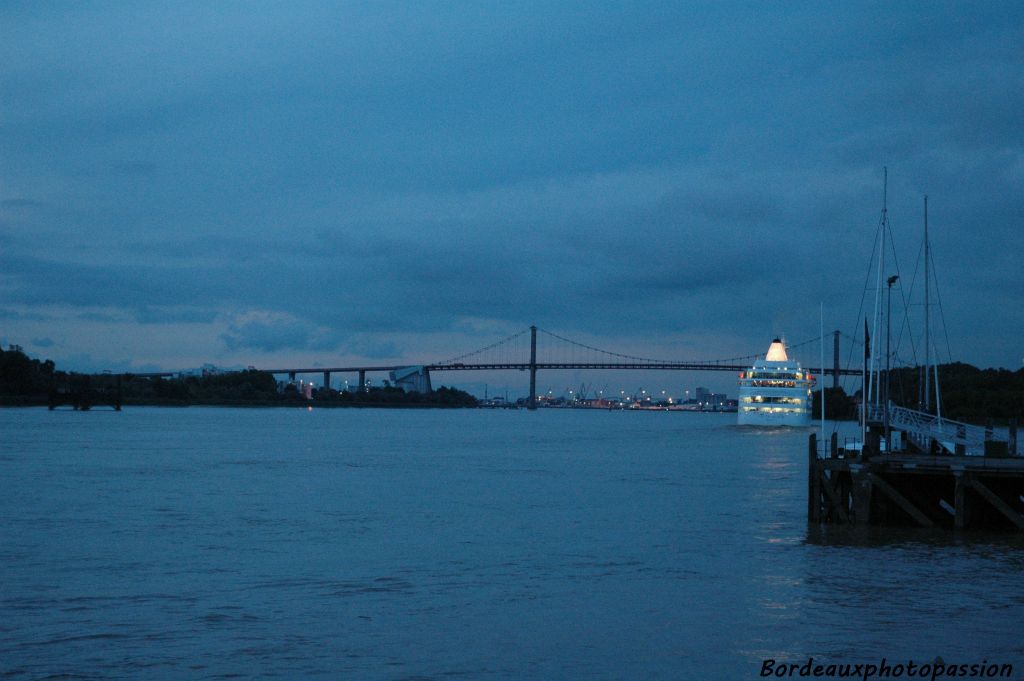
(927, 342)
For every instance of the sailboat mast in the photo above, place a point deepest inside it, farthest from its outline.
(873, 371)
(927, 341)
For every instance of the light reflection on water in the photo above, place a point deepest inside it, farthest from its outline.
(201, 543)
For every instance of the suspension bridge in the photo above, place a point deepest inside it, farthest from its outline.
(534, 349)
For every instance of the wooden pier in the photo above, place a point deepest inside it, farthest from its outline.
(80, 392)
(869, 487)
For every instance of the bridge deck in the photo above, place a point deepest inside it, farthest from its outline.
(525, 366)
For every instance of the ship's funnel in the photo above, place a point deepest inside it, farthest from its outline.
(776, 352)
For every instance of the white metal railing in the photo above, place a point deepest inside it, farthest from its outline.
(923, 428)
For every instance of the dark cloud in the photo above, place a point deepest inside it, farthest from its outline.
(19, 203)
(322, 179)
(271, 332)
(218, 249)
(375, 348)
(87, 362)
(175, 315)
(7, 313)
(100, 317)
(42, 342)
(134, 168)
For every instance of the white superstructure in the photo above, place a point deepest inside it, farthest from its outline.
(776, 391)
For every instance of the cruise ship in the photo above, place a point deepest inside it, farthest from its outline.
(776, 391)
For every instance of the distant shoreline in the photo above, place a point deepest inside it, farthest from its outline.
(14, 402)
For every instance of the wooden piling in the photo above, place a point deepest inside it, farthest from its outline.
(871, 446)
(80, 392)
(837, 502)
(861, 496)
(959, 448)
(960, 501)
(813, 481)
(912, 489)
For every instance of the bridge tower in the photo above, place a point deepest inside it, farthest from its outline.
(835, 361)
(533, 368)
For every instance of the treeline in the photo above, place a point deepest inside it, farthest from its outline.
(239, 387)
(969, 394)
(391, 397)
(260, 388)
(26, 381)
(838, 405)
(22, 378)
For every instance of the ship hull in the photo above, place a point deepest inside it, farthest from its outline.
(761, 418)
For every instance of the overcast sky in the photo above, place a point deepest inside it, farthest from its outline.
(288, 183)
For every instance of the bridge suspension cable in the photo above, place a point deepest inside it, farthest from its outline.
(515, 349)
(499, 347)
(651, 360)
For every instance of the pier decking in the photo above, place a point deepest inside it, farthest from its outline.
(915, 489)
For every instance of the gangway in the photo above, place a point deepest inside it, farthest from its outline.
(922, 428)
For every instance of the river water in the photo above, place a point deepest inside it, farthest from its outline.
(400, 544)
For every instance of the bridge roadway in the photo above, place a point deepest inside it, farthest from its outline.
(533, 366)
(525, 366)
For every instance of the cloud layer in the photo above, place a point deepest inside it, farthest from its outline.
(374, 181)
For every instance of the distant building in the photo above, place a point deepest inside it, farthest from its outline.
(412, 379)
(703, 396)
